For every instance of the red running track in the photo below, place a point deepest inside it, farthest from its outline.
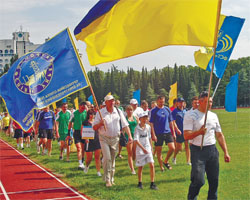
(23, 179)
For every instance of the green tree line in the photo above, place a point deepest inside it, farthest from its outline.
(191, 80)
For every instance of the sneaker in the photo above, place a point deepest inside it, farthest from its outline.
(86, 169)
(153, 187)
(22, 148)
(60, 158)
(133, 172)
(140, 186)
(99, 174)
(189, 163)
(174, 161)
(81, 167)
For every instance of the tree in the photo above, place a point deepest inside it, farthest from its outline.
(151, 96)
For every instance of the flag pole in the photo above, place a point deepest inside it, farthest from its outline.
(211, 73)
(87, 78)
(216, 88)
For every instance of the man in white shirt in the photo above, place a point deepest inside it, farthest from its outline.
(205, 159)
(109, 135)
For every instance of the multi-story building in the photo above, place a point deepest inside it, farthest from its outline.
(19, 45)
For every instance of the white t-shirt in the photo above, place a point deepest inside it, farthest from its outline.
(112, 121)
(137, 111)
(193, 121)
(143, 136)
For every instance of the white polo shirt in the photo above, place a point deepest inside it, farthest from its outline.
(193, 121)
(112, 122)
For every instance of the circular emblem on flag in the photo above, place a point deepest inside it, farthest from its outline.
(34, 73)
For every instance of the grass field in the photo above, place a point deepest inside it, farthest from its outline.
(234, 182)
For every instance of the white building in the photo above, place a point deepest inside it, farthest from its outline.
(19, 45)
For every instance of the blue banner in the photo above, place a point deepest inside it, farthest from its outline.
(227, 38)
(90, 99)
(46, 75)
(232, 94)
(137, 96)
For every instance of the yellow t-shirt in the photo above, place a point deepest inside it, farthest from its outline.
(6, 121)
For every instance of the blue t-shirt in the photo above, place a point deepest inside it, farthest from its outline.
(161, 117)
(46, 119)
(178, 116)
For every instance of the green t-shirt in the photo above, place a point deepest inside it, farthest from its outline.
(132, 125)
(78, 118)
(63, 119)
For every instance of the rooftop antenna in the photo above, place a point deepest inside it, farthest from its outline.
(21, 28)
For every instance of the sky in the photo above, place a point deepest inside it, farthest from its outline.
(46, 18)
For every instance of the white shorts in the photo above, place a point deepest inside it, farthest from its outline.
(142, 160)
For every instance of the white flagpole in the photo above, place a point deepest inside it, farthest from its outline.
(216, 88)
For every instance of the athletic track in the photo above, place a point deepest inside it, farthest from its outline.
(23, 179)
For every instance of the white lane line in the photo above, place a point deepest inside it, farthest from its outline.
(38, 190)
(47, 172)
(4, 192)
(62, 198)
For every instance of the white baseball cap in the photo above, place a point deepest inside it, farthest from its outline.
(143, 114)
(133, 101)
(108, 97)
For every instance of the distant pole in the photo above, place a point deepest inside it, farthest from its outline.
(211, 73)
(216, 88)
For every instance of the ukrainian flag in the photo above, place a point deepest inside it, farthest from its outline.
(230, 28)
(115, 29)
(46, 75)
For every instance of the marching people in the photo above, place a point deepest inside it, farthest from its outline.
(205, 159)
(77, 118)
(109, 129)
(161, 121)
(92, 145)
(178, 116)
(18, 134)
(44, 125)
(62, 120)
(143, 143)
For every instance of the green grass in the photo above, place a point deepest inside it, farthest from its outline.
(234, 182)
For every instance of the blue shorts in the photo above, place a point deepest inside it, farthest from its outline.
(46, 133)
(77, 137)
(180, 138)
(18, 133)
(167, 137)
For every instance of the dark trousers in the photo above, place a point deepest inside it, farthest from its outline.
(205, 160)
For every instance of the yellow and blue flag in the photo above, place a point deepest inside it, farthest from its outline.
(232, 94)
(230, 28)
(115, 29)
(46, 75)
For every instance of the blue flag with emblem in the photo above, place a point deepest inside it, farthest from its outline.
(232, 94)
(137, 96)
(230, 28)
(46, 75)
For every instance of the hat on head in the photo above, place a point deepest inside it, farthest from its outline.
(133, 101)
(180, 99)
(108, 97)
(143, 114)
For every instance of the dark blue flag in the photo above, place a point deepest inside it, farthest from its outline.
(46, 75)
(232, 94)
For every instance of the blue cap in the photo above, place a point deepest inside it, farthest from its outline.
(180, 99)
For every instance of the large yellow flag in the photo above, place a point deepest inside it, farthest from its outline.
(172, 94)
(121, 28)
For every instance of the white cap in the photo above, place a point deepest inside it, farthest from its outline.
(108, 97)
(143, 114)
(133, 101)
